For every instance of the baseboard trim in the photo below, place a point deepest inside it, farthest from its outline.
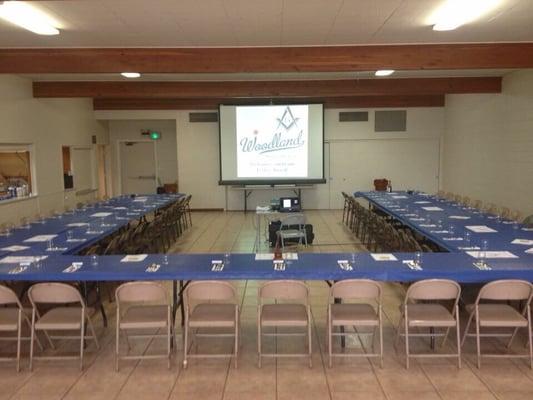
(207, 209)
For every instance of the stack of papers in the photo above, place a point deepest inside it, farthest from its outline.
(264, 256)
(77, 224)
(73, 267)
(101, 214)
(345, 265)
(458, 217)
(153, 268)
(412, 265)
(217, 265)
(40, 238)
(21, 259)
(432, 208)
(15, 248)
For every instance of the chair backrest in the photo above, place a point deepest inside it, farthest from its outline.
(210, 291)
(142, 292)
(356, 289)
(293, 219)
(380, 185)
(477, 204)
(433, 289)
(505, 289)
(284, 290)
(8, 296)
(528, 221)
(54, 292)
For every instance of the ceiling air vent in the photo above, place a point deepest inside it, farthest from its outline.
(353, 116)
(203, 117)
(390, 121)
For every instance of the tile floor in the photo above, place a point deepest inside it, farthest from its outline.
(283, 379)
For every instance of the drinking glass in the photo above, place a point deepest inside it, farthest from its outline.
(467, 239)
(50, 245)
(227, 258)
(70, 235)
(94, 260)
(353, 259)
(483, 252)
(418, 258)
(165, 259)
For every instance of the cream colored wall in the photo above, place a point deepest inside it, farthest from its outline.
(47, 124)
(410, 159)
(488, 144)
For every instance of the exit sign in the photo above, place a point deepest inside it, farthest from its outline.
(155, 135)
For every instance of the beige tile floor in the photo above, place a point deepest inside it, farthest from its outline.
(282, 379)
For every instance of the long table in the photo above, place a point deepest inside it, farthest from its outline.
(455, 264)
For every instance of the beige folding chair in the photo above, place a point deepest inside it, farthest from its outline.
(141, 306)
(210, 305)
(65, 316)
(477, 204)
(290, 309)
(500, 314)
(430, 315)
(11, 316)
(355, 314)
(505, 213)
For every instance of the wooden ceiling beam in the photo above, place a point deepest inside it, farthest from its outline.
(269, 89)
(267, 59)
(212, 104)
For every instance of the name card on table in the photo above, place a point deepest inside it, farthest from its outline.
(101, 214)
(345, 265)
(40, 238)
(411, 264)
(134, 258)
(480, 229)
(73, 267)
(383, 257)
(432, 208)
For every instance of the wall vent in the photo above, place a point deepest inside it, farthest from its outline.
(203, 117)
(390, 121)
(353, 116)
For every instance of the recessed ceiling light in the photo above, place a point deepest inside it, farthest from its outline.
(384, 72)
(28, 17)
(454, 13)
(130, 74)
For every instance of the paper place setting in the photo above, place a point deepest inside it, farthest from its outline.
(217, 265)
(383, 257)
(428, 225)
(469, 248)
(132, 213)
(134, 258)
(264, 256)
(492, 254)
(422, 202)
(15, 248)
(73, 267)
(153, 268)
(529, 251)
(458, 217)
(290, 256)
(526, 242)
(452, 238)
(416, 219)
(345, 265)
(399, 197)
(411, 264)
(140, 199)
(432, 208)
(480, 229)
(443, 231)
(279, 265)
(527, 229)
(40, 238)
(77, 224)
(409, 215)
(122, 218)
(21, 259)
(76, 240)
(120, 208)
(101, 214)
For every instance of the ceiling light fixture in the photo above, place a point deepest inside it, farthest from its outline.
(384, 72)
(130, 74)
(454, 13)
(28, 17)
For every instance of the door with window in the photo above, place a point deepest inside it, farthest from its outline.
(137, 167)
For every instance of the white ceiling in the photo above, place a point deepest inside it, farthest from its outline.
(267, 76)
(172, 23)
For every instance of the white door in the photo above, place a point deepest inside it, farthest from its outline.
(137, 167)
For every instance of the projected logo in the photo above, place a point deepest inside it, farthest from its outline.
(272, 141)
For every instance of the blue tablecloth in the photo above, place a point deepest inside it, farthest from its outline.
(455, 264)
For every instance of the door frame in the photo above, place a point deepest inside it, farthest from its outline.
(119, 161)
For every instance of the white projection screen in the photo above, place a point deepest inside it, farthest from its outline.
(271, 144)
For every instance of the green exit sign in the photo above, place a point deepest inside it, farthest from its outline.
(155, 135)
